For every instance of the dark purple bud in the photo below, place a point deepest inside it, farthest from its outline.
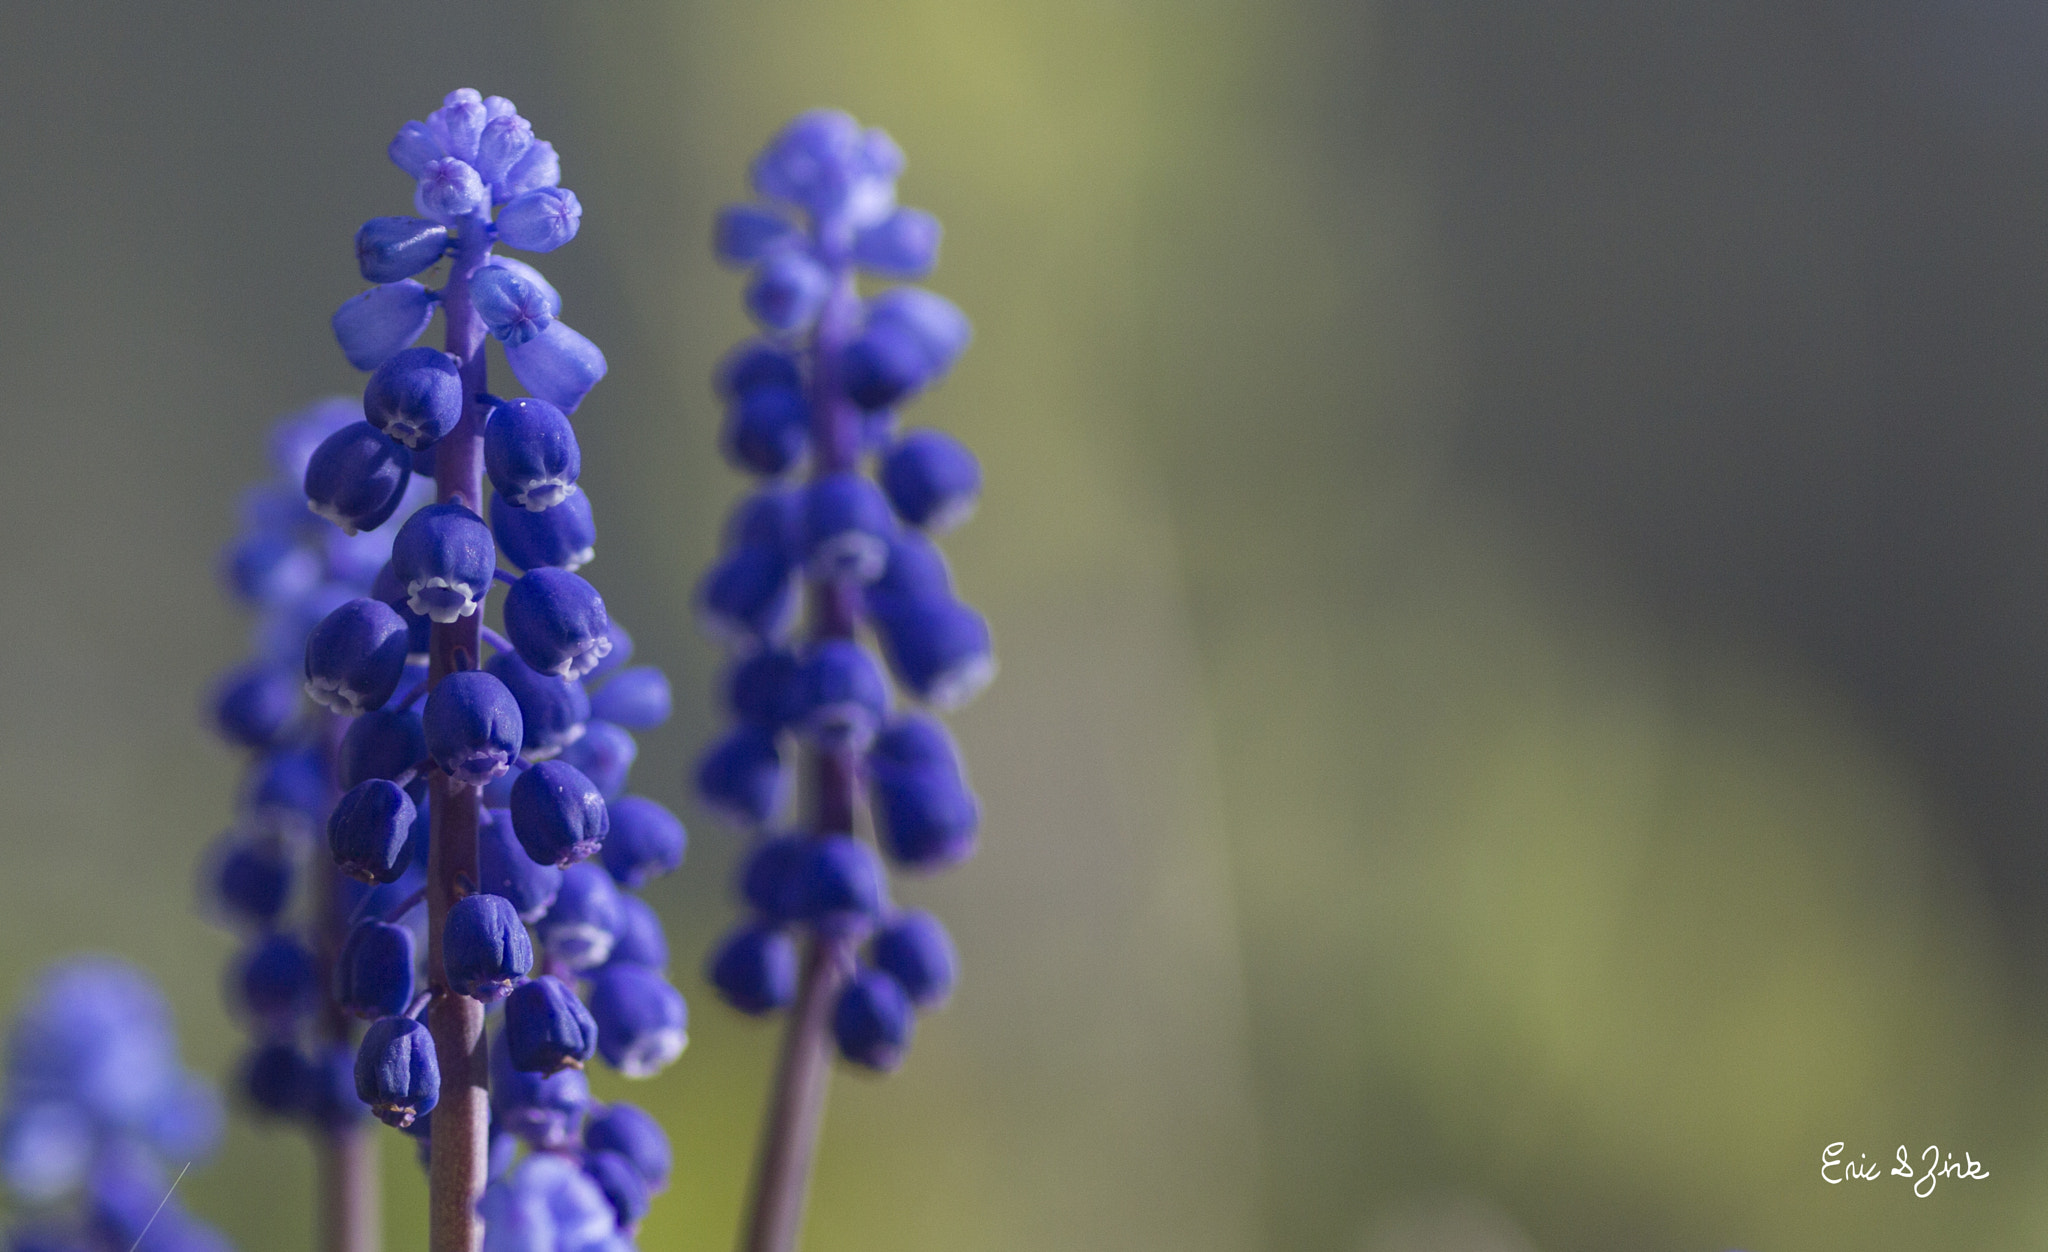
(772, 877)
(485, 947)
(252, 878)
(355, 657)
(632, 1133)
(512, 308)
(253, 705)
(564, 536)
(392, 248)
(557, 621)
(557, 813)
(384, 743)
(911, 338)
(767, 430)
(373, 973)
(544, 1110)
(914, 741)
(641, 939)
(278, 1079)
(904, 244)
(605, 754)
(646, 841)
(915, 950)
(638, 699)
(642, 1022)
(443, 558)
(742, 777)
(771, 519)
(558, 365)
(847, 524)
(914, 574)
(842, 882)
(553, 710)
(381, 321)
(744, 233)
(277, 978)
(749, 597)
(939, 649)
(873, 1021)
(583, 923)
(540, 220)
(755, 969)
(757, 365)
(473, 726)
(845, 696)
(370, 831)
(624, 1190)
(531, 454)
(506, 870)
(547, 1028)
(932, 480)
(415, 397)
(396, 1072)
(766, 688)
(357, 477)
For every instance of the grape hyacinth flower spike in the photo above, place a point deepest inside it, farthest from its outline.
(390, 725)
(817, 393)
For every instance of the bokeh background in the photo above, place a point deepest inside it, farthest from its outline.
(1515, 535)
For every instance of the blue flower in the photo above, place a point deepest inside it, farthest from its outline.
(485, 947)
(873, 1021)
(558, 814)
(396, 1072)
(629, 1131)
(473, 726)
(547, 1028)
(642, 1022)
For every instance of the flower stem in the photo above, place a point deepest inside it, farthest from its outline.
(345, 1168)
(796, 1106)
(461, 1120)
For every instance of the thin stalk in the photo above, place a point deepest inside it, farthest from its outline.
(796, 1104)
(346, 1156)
(461, 1120)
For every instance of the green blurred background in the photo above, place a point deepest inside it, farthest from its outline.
(1514, 533)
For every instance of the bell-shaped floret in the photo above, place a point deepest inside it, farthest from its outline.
(370, 831)
(540, 220)
(642, 1022)
(641, 939)
(553, 710)
(915, 950)
(646, 841)
(540, 167)
(505, 139)
(459, 123)
(414, 147)
(444, 557)
(749, 597)
(506, 870)
(771, 877)
(450, 190)
(355, 657)
(357, 477)
(788, 290)
(766, 688)
(605, 754)
(547, 1028)
(530, 453)
(251, 878)
(277, 978)
(621, 1184)
(513, 309)
(939, 649)
(755, 968)
(638, 698)
(845, 697)
(392, 248)
(904, 244)
(767, 430)
(253, 705)
(545, 1110)
(277, 1079)
(557, 813)
(631, 1132)
(873, 1020)
(564, 536)
(847, 525)
(558, 365)
(396, 1071)
(915, 573)
(742, 777)
(415, 397)
(910, 339)
(744, 233)
(932, 480)
(382, 321)
(385, 743)
(373, 973)
(557, 622)
(473, 726)
(485, 948)
(583, 923)
(841, 883)
(758, 365)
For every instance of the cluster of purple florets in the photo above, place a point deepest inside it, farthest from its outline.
(816, 395)
(539, 733)
(100, 1117)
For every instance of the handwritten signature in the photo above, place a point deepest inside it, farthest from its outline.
(1935, 1165)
